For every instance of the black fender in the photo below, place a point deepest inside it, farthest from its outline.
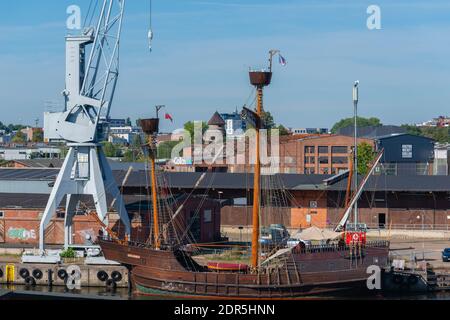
(111, 284)
(102, 275)
(24, 273)
(116, 276)
(30, 281)
(62, 274)
(37, 274)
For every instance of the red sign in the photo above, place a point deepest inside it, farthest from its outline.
(355, 238)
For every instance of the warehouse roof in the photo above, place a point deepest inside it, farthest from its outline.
(244, 181)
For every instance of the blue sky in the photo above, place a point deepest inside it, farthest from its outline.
(203, 49)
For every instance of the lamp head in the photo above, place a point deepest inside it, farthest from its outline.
(355, 91)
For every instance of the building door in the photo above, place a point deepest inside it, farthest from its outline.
(382, 220)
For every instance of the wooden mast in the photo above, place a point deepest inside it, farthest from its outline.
(154, 194)
(151, 129)
(259, 79)
(257, 184)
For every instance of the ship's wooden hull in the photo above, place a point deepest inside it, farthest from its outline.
(159, 272)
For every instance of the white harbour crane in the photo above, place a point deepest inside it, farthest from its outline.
(92, 71)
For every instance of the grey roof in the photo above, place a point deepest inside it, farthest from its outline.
(41, 163)
(402, 183)
(372, 132)
(389, 136)
(57, 163)
(244, 181)
(39, 201)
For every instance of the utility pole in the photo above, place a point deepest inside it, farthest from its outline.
(355, 153)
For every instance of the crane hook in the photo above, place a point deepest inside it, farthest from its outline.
(150, 29)
(150, 39)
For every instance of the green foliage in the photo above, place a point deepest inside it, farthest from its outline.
(134, 152)
(68, 254)
(165, 149)
(11, 127)
(38, 136)
(360, 121)
(189, 127)
(268, 120)
(283, 130)
(366, 155)
(20, 137)
(439, 134)
(4, 163)
(111, 150)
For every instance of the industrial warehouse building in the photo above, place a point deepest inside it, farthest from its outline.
(223, 200)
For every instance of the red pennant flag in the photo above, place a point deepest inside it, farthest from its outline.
(169, 117)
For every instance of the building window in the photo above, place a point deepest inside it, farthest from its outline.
(339, 149)
(2, 214)
(324, 170)
(323, 160)
(310, 160)
(323, 150)
(310, 149)
(339, 160)
(313, 204)
(310, 171)
(407, 151)
(207, 216)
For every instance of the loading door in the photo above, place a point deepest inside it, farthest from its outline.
(382, 220)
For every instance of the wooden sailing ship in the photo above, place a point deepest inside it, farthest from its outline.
(163, 268)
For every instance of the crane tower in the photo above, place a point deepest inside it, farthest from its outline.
(92, 71)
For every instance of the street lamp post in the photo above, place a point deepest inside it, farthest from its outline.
(423, 235)
(355, 154)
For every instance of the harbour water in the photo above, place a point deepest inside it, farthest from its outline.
(19, 292)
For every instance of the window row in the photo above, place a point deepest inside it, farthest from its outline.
(325, 149)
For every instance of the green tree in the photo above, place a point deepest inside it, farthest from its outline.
(283, 130)
(366, 155)
(439, 134)
(111, 150)
(134, 152)
(189, 127)
(360, 122)
(38, 136)
(165, 149)
(20, 137)
(15, 127)
(267, 120)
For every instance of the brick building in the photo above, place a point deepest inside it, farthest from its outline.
(317, 154)
(301, 200)
(20, 216)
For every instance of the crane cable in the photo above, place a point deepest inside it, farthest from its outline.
(150, 30)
